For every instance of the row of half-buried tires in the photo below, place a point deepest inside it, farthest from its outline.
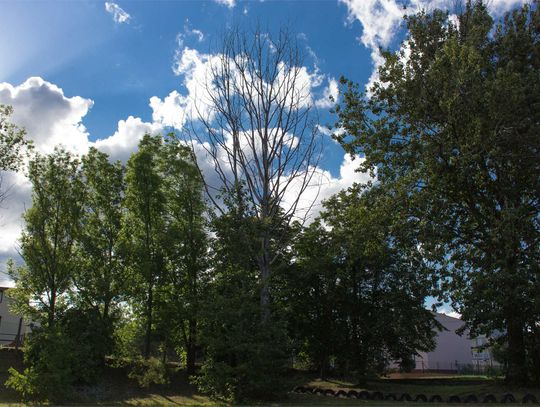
(377, 395)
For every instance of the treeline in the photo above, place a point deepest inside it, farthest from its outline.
(129, 263)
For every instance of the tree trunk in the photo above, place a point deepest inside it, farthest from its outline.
(149, 306)
(517, 369)
(52, 309)
(264, 268)
(191, 347)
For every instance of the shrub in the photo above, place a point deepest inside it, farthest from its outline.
(50, 357)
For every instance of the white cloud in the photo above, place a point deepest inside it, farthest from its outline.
(171, 111)
(381, 20)
(447, 310)
(197, 33)
(124, 141)
(323, 185)
(49, 117)
(330, 95)
(227, 3)
(188, 32)
(119, 15)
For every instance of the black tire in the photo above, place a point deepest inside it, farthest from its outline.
(435, 399)
(454, 399)
(364, 395)
(508, 398)
(377, 395)
(341, 393)
(489, 398)
(390, 396)
(330, 392)
(471, 398)
(421, 397)
(352, 394)
(529, 398)
(405, 397)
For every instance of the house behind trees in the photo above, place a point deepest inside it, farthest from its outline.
(12, 327)
(456, 353)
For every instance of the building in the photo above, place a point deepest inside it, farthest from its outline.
(455, 352)
(12, 327)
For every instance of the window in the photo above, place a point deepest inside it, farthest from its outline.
(1, 295)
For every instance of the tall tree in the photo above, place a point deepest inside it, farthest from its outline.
(258, 126)
(454, 126)
(185, 247)
(48, 239)
(99, 277)
(363, 283)
(143, 229)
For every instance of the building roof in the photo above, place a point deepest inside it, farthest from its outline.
(6, 284)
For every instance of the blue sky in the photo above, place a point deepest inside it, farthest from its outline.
(82, 73)
(79, 47)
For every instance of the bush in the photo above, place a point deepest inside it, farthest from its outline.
(148, 371)
(70, 353)
(50, 357)
(245, 358)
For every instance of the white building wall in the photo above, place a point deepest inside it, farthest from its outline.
(9, 323)
(454, 352)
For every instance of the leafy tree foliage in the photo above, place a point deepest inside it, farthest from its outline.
(454, 126)
(186, 249)
(12, 144)
(99, 277)
(165, 243)
(48, 240)
(245, 356)
(143, 230)
(361, 286)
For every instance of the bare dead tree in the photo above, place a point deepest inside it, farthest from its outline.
(258, 126)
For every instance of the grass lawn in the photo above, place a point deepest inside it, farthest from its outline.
(115, 388)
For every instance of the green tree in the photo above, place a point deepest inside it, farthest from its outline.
(143, 230)
(48, 239)
(362, 287)
(454, 126)
(245, 355)
(186, 248)
(55, 359)
(98, 276)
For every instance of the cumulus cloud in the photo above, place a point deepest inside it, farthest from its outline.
(11, 209)
(124, 141)
(381, 20)
(171, 111)
(119, 15)
(323, 185)
(196, 69)
(49, 117)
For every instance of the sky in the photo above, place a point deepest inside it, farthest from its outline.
(93, 73)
